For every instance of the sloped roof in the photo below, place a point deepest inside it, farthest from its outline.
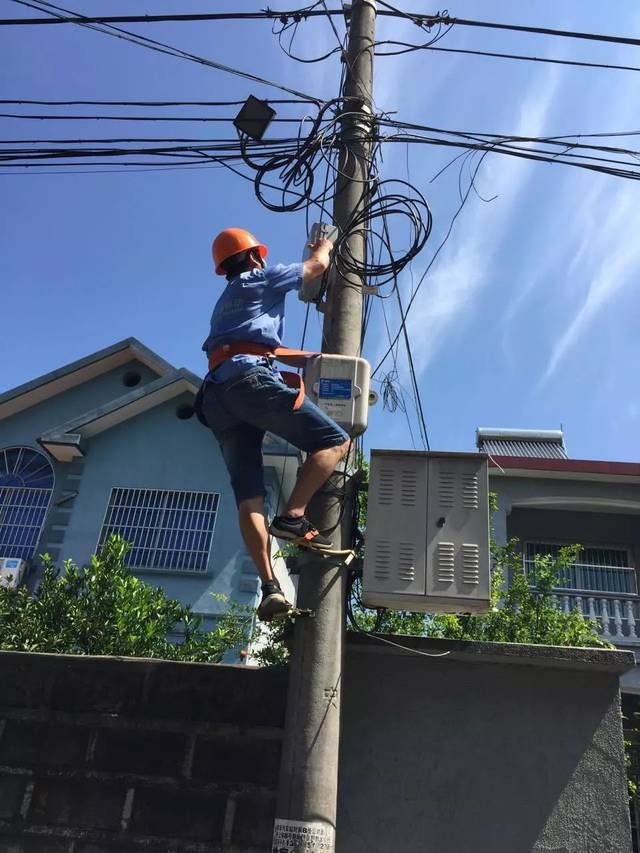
(71, 375)
(66, 441)
(524, 443)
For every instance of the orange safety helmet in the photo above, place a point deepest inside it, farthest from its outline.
(231, 241)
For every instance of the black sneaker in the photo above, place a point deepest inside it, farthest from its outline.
(273, 605)
(301, 531)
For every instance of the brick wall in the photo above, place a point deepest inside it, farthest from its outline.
(102, 755)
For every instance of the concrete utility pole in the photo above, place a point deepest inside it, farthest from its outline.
(307, 798)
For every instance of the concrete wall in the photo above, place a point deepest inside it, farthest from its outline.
(100, 755)
(561, 494)
(489, 749)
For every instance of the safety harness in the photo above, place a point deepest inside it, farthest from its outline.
(292, 357)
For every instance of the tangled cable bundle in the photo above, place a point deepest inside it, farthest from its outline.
(288, 23)
(295, 170)
(389, 201)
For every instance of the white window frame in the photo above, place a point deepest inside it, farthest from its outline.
(179, 572)
(28, 552)
(587, 546)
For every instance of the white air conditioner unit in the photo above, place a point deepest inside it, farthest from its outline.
(12, 571)
(427, 541)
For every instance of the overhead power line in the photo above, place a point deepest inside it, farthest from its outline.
(104, 140)
(545, 31)
(149, 103)
(518, 56)
(302, 14)
(294, 15)
(186, 166)
(222, 119)
(429, 20)
(262, 15)
(296, 159)
(162, 47)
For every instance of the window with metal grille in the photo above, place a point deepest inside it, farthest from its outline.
(26, 486)
(598, 569)
(167, 530)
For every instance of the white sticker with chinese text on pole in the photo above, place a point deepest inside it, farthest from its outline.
(303, 836)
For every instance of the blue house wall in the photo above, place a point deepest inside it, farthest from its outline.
(156, 450)
(23, 429)
(152, 450)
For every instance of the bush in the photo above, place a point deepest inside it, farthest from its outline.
(104, 610)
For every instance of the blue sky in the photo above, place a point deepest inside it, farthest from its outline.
(528, 319)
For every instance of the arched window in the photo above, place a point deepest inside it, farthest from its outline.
(26, 486)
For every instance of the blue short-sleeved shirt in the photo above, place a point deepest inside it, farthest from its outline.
(251, 308)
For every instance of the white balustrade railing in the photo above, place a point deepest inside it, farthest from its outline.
(616, 618)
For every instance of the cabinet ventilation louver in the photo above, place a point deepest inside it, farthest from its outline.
(446, 562)
(470, 491)
(470, 563)
(406, 561)
(386, 487)
(447, 488)
(408, 488)
(382, 559)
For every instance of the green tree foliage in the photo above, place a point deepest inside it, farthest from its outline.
(524, 607)
(104, 610)
(271, 643)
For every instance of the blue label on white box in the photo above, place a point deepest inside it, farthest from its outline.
(339, 389)
(11, 564)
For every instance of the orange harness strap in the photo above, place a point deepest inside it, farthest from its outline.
(293, 357)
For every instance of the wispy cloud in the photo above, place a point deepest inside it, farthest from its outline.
(602, 251)
(449, 295)
(614, 251)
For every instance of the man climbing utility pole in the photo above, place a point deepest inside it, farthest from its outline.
(307, 798)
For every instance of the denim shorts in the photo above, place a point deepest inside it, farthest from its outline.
(241, 410)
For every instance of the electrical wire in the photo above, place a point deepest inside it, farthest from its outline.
(407, 649)
(215, 119)
(388, 199)
(294, 17)
(414, 381)
(444, 18)
(289, 24)
(120, 171)
(294, 161)
(298, 15)
(427, 269)
(290, 167)
(161, 47)
(527, 58)
(155, 103)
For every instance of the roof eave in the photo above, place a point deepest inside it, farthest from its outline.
(82, 370)
(568, 469)
(60, 439)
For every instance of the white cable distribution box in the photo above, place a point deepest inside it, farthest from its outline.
(427, 537)
(339, 385)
